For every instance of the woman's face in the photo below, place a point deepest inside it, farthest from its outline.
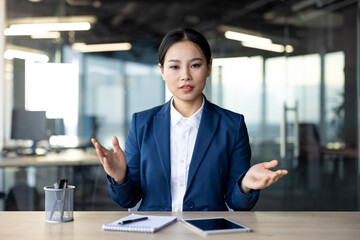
(185, 71)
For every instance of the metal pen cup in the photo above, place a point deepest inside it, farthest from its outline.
(59, 204)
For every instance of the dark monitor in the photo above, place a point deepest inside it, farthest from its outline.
(55, 126)
(29, 125)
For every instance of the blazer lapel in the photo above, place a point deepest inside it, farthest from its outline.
(207, 129)
(162, 138)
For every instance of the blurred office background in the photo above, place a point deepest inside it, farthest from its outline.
(290, 66)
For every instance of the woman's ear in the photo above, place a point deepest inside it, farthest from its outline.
(209, 68)
(161, 71)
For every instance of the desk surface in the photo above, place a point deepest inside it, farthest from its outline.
(265, 225)
(66, 158)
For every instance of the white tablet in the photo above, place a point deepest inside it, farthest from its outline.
(214, 225)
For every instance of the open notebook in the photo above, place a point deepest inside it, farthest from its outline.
(152, 224)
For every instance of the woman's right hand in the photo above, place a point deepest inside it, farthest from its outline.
(114, 163)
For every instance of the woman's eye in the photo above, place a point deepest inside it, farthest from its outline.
(196, 65)
(174, 67)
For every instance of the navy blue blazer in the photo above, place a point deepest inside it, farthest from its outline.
(220, 160)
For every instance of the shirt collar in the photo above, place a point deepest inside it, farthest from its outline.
(194, 120)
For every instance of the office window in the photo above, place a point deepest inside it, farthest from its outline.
(112, 91)
(53, 87)
(334, 95)
(103, 94)
(239, 81)
(145, 87)
(291, 80)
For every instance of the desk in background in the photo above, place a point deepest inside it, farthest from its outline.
(65, 158)
(64, 162)
(265, 225)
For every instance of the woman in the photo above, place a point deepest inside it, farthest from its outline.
(187, 154)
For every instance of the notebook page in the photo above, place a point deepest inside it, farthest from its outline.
(152, 224)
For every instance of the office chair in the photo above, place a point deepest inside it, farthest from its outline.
(310, 157)
(22, 198)
(309, 142)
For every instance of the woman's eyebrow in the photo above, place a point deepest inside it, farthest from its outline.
(192, 60)
(196, 59)
(173, 60)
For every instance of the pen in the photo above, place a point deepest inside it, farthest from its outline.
(133, 220)
(63, 185)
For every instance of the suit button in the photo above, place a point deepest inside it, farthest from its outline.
(190, 205)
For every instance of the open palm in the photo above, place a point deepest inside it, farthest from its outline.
(114, 163)
(260, 176)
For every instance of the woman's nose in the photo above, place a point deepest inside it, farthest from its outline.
(185, 74)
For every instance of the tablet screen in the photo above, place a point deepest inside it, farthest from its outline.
(213, 225)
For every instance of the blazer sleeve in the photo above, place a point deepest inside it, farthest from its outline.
(239, 165)
(129, 193)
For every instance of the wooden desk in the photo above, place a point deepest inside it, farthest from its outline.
(265, 225)
(66, 158)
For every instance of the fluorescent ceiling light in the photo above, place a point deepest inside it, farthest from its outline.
(42, 28)
(269, 47)
(26, 32)
(46, 35)
(289, 48)
(74, 26)
(262, 43)
(68, 19)
(246, 37)
(82, 47)
(36, 57)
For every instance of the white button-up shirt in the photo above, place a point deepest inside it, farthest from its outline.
(183, 132)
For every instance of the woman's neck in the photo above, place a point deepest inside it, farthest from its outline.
(187, 108)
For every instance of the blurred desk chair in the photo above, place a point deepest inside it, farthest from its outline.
(22, 198)
(313, 157)
(310, 157)
(2, 195)
(309, 142)
(343, 158)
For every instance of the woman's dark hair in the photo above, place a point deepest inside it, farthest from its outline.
(183, 34)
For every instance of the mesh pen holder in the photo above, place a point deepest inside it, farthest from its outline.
(59, 204)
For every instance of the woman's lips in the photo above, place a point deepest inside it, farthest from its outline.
(186, 88)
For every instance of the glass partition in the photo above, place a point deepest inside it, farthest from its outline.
(304, 103)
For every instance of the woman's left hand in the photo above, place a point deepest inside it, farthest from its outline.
(260, 176)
